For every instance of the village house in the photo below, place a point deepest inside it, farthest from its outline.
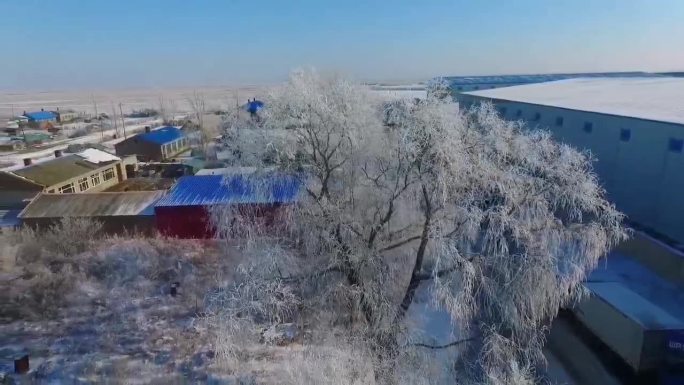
(41, 119)
(90, 170)
(185, 212)
(155, 145)
(129, 212)
(64, 116)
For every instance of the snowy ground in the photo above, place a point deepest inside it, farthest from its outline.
(432, 326)
(174, 99)
(392, 92)
(119, 324)
(107, 100)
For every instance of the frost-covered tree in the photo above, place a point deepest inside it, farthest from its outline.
(198, 107)
(503, 223)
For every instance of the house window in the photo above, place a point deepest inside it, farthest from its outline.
(83, 184)
(676, 145)
(518, 113)
(625, 134)
(559, 121)
(588, 127)
(67, 188)
(108, 174)
(95, 179)
(537, 117)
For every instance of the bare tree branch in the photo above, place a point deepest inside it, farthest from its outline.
(450, 344)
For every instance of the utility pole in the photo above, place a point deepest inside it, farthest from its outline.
(97, 117)
(20, 124)
(23, 133)
(123, 122)
(114, 119)
(92, 97)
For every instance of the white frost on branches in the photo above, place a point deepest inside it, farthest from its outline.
(503, 221)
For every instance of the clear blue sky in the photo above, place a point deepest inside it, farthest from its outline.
(50, 44)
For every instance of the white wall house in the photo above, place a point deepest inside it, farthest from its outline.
(634, 127)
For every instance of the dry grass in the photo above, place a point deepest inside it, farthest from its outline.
(93, 307)
(86, 306)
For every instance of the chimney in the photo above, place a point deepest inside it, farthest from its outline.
(27, 161)
(147, 129)
(58, 153)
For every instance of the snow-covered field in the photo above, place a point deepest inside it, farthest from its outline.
(107, 101)
(173, 99)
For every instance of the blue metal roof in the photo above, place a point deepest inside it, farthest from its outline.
(162, 135)
(39, 116)
(254, 106)
(205, 190)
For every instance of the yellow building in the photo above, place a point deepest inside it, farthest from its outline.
(91, 170)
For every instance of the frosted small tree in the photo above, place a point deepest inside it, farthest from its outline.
(197, 104)
(164, 110)
(501, 222)
(246, 141)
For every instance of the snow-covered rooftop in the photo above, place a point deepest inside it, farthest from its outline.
(632, 275)
(94, 155)
(660, 99)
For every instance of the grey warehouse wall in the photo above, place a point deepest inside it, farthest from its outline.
(643, 176)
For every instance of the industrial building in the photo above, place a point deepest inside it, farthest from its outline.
(185, 211)
(634, 127)
(460, 84)
(90, 170)
(155, 145)
(118, 212)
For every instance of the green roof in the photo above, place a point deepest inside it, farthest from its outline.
(59, 170)
(11, 182)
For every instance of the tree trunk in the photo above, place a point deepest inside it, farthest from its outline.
(352, 275)
(418, 264)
